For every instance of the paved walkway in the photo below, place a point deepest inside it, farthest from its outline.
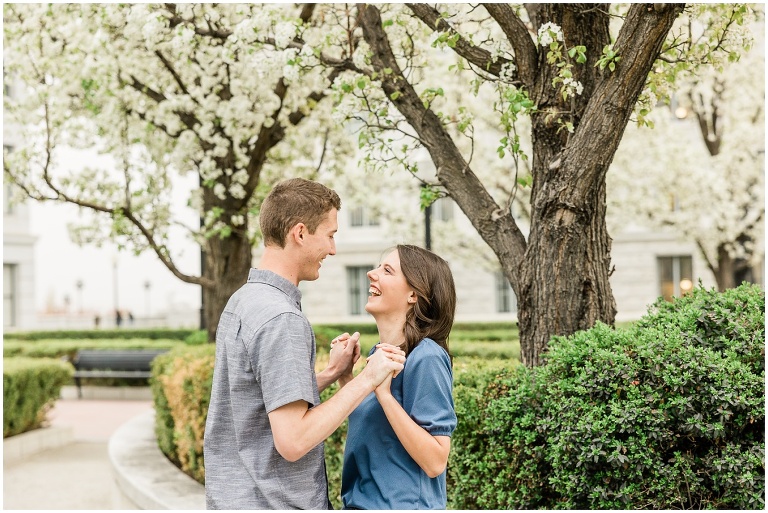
(77, 475)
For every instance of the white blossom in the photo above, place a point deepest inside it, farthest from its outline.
(237, 191)
(220, 191)
(573, 86)
(507, 71)
(241, 176)
(550, 32)
(284, 34)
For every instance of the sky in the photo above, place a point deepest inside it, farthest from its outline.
(60, 264)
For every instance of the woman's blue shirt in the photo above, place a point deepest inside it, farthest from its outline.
(378, 472)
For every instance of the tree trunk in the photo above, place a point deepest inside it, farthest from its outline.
(724, 274)
(228, 261)
(565, 273)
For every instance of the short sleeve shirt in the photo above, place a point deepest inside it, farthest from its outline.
(378, 472)
(265, 359)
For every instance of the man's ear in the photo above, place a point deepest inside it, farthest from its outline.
(298, 232)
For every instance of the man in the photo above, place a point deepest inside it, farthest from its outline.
(265, 427)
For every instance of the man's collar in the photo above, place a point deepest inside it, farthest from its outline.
(270, 278)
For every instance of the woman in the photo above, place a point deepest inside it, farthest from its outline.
(399, 436)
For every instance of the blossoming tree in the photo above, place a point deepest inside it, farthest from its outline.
(701, 171)
(579, 71)
(163, 89)
(221, 90)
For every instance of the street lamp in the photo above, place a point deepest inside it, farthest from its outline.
(114, 280)
(147, 286)
(427, 224)
(79, 285)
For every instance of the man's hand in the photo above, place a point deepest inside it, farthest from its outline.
(344, 353)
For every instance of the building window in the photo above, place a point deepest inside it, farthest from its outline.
(675, 276)
(442, 209)
(7, 195)
(7, 191)
(357, 287)
(361, 216)
(506, 301)
(9, 295)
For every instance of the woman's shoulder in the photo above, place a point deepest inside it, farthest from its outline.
(428, 348)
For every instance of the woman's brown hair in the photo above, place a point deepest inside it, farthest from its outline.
(431, 279)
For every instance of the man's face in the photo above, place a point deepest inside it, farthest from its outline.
(319, 245)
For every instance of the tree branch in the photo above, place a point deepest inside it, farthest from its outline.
(639, 43)
(62, 197)
(520, 39)
(453, 173)
(475, 55)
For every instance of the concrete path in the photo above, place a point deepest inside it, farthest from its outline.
(77, 475)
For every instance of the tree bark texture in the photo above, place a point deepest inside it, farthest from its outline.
(560, 274)
(228, 261)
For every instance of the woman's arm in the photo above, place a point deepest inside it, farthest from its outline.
(428, 451)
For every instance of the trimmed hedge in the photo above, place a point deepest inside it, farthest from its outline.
(666, 414)
(150, 333)
(181, 387)
(30, 386)
(59, 348)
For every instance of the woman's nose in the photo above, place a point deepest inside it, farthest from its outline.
(370, 274)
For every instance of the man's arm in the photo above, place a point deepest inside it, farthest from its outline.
(296, 428)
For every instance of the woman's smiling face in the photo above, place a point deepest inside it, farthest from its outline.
(389, 292)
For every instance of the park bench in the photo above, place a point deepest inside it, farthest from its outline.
(113, 363)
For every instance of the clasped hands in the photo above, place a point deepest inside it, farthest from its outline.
(383, 365)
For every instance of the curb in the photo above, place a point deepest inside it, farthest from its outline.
(143, 473)
(24, 445)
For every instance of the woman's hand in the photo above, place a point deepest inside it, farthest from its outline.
(394, 353)
(384, 389)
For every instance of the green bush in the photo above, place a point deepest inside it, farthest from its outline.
(666, 414)
(471, 377)
(486, 350)
(150, 333)
(334, 453)
(30, 386)
(331, 330)
(197, 338)
(181, 386)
